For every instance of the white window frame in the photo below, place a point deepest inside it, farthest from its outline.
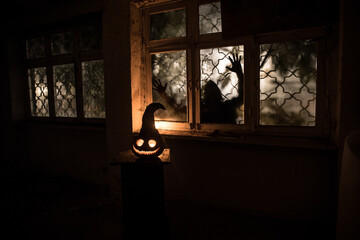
(141, 77)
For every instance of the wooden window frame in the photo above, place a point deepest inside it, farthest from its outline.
(141, 77)
(77, 57)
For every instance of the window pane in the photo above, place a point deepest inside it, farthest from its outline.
(170, 85)
(39, 103)
(168, 24)
(64, 89)
(35, 48)
(93, 89)
(288, 83)
(91, 38)
(210, 18)
(62, 43)
(222, 85)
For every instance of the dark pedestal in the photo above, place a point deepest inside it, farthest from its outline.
(143, 196)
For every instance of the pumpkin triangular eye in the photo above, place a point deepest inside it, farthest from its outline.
(152, 143)
(139, 142)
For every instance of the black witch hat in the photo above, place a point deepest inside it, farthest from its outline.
(148, 122)
(149, 143)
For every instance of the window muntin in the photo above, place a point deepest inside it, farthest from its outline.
(288, 73)
(168, 24)
(64, 80)
(170, 85)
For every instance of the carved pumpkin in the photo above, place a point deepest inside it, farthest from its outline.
(149, 143)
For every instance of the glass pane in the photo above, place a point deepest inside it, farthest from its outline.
(169, 85)
(288, 83)
(62, 43)
(168, 24)
(93, 89)
(91, 38)
(64, 89)
(222, 81)
(35, 48)
(38, 86)
(210, 18)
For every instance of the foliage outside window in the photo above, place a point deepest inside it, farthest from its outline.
(288, 83)
(65, 73)
(209, 83)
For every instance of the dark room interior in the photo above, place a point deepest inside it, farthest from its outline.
(78, 76)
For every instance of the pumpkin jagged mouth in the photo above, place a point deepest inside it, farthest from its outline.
(145, 152)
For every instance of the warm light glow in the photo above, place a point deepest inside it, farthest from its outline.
(162, 125)
(152, 143)
(139, 142)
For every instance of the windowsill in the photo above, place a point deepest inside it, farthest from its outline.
(308, 142)
(97, 125)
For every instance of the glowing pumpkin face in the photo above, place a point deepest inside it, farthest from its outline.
(149, 143)
(148, 146)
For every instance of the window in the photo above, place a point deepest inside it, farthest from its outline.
(261, 83)
(65, 72)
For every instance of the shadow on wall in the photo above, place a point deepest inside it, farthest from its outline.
(76, 152)
(289, 182)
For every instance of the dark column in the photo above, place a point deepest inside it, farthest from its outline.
(142, 183)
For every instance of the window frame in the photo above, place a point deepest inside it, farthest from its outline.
(167, 45)
(192, 43)
(77, 57)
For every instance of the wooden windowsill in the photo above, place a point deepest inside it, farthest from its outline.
(308, 142)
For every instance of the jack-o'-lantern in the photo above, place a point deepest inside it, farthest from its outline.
(149, 143)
